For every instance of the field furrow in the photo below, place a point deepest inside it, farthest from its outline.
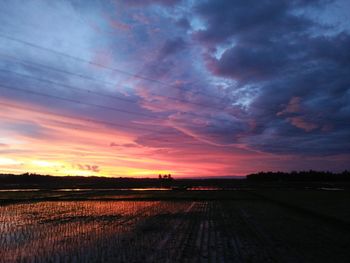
(165, 231)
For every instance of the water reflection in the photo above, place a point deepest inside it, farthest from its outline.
(19, 190)
(79, 231)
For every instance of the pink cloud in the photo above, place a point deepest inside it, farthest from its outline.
(88, 167)
(301, 123)
(293, 106)
(124, 145)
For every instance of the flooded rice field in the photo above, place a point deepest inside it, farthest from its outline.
(166, 231)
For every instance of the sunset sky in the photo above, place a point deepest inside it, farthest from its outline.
(187, 87)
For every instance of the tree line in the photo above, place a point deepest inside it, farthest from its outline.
(310, 175)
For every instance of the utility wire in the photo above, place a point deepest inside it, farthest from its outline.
(33, 45)
(39, 65)
(107, 123)
(82, 89)
(109, 96)
(107, 107)
(77, 101)
(113, 69)
(88, 104)
(81, 118)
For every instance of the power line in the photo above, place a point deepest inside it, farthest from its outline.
(83, 103)
(69, 86)
(113, 69)
(39, 65)
(109, 124)
(88, 104)
(81, 59)
(82, 119)
(101, 106)
(99, 65)
(106, 107)
(76, 101)
(83, 90)
(96, 64)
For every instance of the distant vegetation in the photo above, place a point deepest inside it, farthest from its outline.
(37, 180)
(28, 180)
(317, 176)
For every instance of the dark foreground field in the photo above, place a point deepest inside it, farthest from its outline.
(251, 225)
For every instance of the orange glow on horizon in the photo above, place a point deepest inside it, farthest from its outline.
(72, 146)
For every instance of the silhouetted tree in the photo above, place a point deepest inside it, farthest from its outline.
(300, 176)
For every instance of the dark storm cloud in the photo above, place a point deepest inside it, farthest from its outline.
(249, 64)
(264, 76)
(172, 46)
(250, 19)
(273, 46)
(184, 23)
(148, 2)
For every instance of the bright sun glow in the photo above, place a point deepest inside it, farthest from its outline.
(44, 163)
(8, 161)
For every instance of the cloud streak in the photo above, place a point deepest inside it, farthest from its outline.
(194, 88)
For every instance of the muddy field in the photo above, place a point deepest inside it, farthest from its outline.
(235, 226)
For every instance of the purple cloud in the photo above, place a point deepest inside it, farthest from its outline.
(263, 76)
